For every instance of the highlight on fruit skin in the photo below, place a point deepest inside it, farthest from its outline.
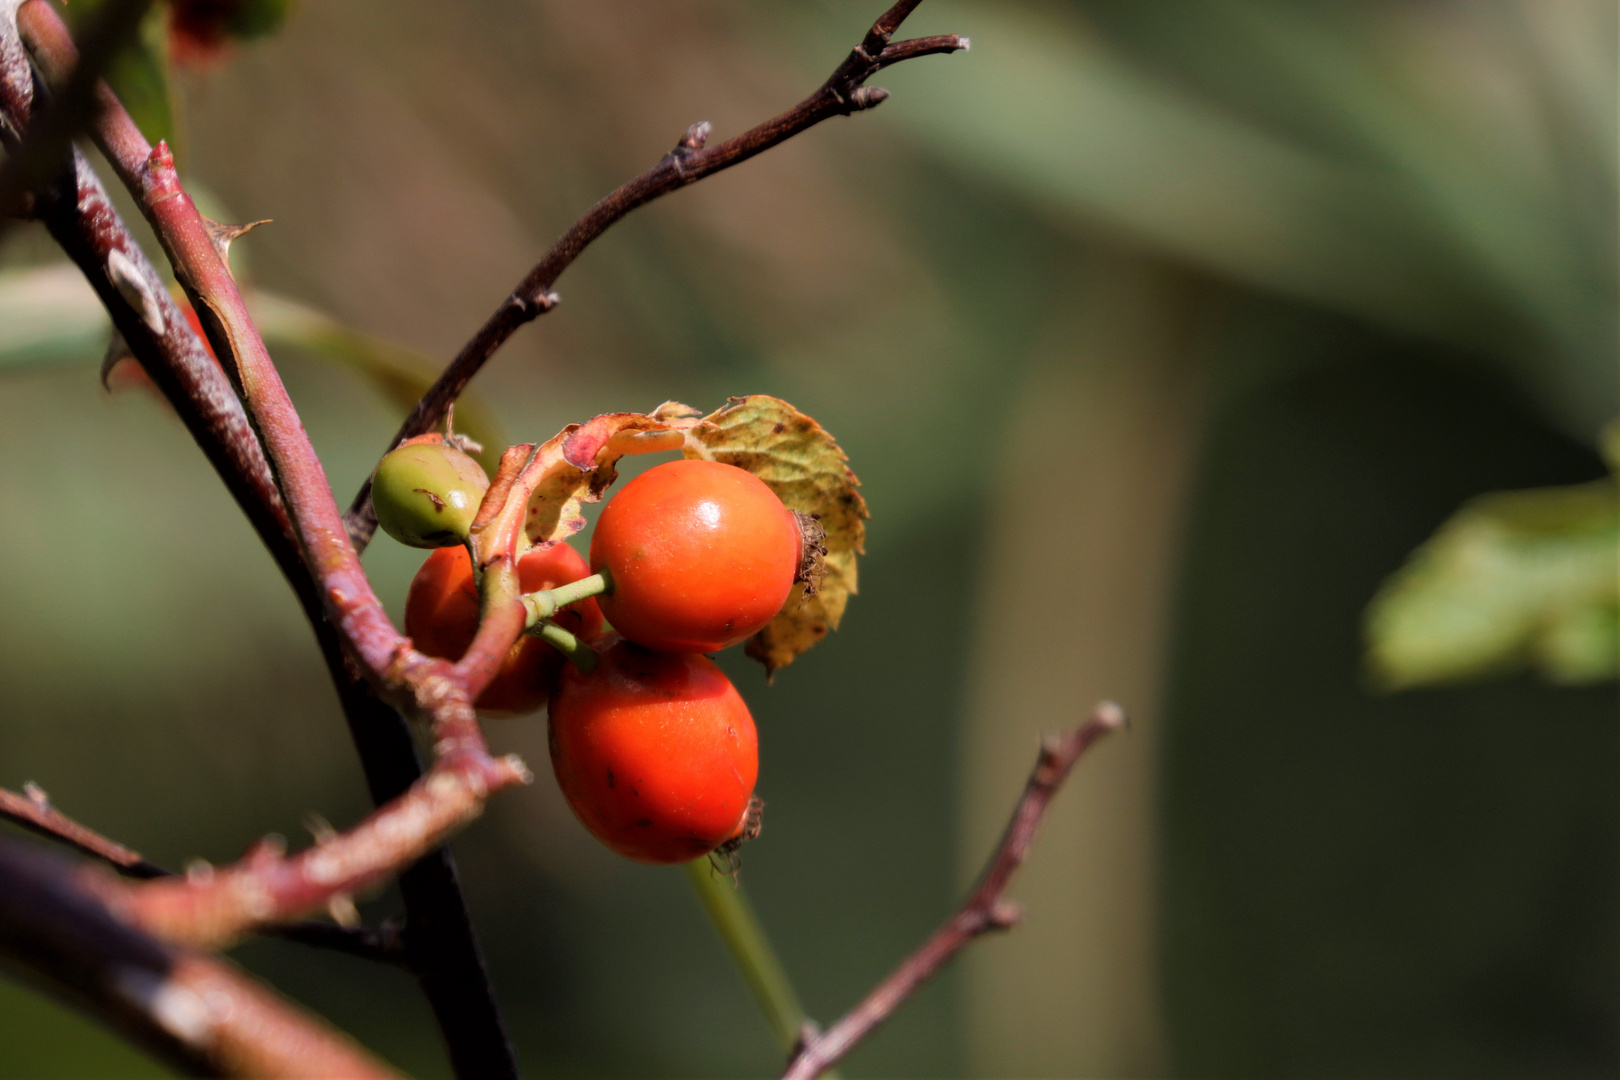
(426, 492)
(441, 617)
(656, 753)
(701, 555)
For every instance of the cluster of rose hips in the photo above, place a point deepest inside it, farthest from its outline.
(650, 742)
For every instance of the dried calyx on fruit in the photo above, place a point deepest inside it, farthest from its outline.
(426, 492)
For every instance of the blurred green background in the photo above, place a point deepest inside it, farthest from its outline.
(1160, 335)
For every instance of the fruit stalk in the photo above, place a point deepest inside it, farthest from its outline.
(545, 603)
(733, 916)
(580, 654)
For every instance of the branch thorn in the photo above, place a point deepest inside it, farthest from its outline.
(319, 828)
(132, 285)
(117, 350)
(267, 848)
(1005, 915)
(344, 913)
(695, 137)
(518, 768)
(222, 234)
(809, 1032)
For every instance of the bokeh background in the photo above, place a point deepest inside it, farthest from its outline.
(1160, 335)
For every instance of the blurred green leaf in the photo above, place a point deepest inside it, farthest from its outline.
(256, 18)
(140, 76)
(1514, 580)
(1437, 199)
(49, 315)
(402, 375)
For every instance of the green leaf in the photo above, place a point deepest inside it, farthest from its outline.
(49, 315)
(140, 75)
(1524, 579)
(1312, 150)
(808, 471)
(402, 375)
(256, 18)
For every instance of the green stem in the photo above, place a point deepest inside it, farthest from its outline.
(547, 602)
(583, 656)
(745, 939)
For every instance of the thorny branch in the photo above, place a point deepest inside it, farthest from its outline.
(845, 92)
(464, 773)
(434, 689)
(199, 1013)
(983, 911)
(32, 810)
(439, 939)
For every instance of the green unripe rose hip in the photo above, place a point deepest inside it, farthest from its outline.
(427, 493)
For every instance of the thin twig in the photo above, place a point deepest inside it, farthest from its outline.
(268, 886)
(32, 810)
(845, 92)
(80, 217)
(199, 1013)
(983, 911)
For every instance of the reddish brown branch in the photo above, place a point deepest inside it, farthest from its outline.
(441, 943)
(199, 1013)
(432, 687)
(845, 92)
(983, 911)
(89, 229)
(32, 810)
(267, 887)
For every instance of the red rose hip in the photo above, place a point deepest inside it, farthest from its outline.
(701, 556)
(441, 616)
(655, 751)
